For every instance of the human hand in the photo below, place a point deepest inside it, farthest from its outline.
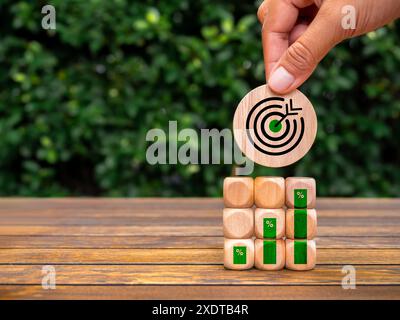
(297, 34)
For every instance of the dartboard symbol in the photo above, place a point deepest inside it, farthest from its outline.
(274, 126)
(274, 131)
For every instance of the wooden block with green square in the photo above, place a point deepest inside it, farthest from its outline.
(300, 192)
(238, 254)
(269, 223)
(301, 223)
(269, 254)
(300, 254)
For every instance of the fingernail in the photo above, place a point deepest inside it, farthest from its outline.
(280, 79)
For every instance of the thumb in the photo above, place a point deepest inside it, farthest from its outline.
(302, 57)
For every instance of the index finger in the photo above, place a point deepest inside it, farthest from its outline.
(278, 17)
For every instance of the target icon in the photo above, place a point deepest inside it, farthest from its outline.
(274, 131)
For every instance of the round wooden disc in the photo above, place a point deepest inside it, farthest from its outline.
(272, 130)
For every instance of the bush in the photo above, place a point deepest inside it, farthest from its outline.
(76, 103)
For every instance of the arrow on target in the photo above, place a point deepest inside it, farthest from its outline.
(290, 111)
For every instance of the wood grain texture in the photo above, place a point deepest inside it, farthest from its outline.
(173, 248)
(107, 206)
(191, 230)
(175, 242)
(194, 275)
(180, 256)
(73, 204)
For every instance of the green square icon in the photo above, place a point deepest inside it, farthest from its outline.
(269, 228)
(300, 252)
(239, 254)
(269, 252)
(300, 198)
(300, 223)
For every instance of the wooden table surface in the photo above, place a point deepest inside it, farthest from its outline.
(172, 249)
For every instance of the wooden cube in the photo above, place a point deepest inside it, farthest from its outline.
(269, 254)
(269, 223)
(269, 192)
(301, 223)
(238, 192)
(238, 254)
(301, 254)
(300, 193)
(238, 223)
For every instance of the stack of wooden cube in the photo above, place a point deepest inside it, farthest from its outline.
(269, 223)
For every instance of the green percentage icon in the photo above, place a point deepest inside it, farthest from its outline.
(239, 254)
(300, 195)
(300, 198)
(269, 230)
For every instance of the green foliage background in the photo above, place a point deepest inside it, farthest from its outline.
(76, 103)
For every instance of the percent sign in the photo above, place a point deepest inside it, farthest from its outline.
(300, 195)
(239, 251)
(269, 224)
